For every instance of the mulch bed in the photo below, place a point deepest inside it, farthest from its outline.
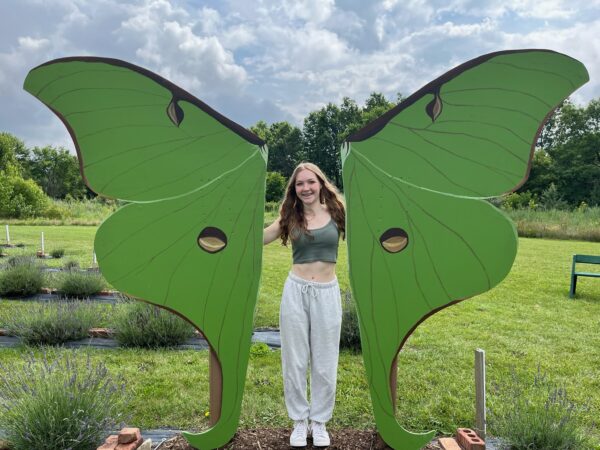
(278, 439)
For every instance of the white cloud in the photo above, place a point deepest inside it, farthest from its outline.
(316, 11)
(578, 41)
(28, 43)
(274, 59)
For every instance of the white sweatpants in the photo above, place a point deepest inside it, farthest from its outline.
(310, 319)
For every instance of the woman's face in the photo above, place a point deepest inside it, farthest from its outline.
(308, 187)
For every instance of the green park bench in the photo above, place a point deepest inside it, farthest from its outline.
(585, 259)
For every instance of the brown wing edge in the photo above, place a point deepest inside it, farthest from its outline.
(178, 93)
(377, 124)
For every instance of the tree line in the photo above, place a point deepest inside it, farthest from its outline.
(565, 170)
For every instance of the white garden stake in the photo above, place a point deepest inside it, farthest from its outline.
(94, 261)
(480, 419)
(43, 253)
(7, 236)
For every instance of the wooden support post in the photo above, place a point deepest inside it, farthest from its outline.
(480, 421)
(216, 387)
(7, 236)
(394, 382)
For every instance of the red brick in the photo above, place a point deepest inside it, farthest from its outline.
(449, 444)
(131, 446)
(100, 332)
(127, 435)
(110, 443)
(469, 440)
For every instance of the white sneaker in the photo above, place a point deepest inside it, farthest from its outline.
(319, 434)
(298, 436)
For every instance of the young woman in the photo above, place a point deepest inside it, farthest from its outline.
(312, 217)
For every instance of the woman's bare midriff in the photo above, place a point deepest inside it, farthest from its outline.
(319, 271)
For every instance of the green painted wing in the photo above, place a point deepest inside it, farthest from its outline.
(419, 237)
(191, 238)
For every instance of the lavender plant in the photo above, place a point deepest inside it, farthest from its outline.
(350, 333)
(22, 277)
(75, 284)
(52, 323)
(64, 403)
(139, 324)
(538, 416)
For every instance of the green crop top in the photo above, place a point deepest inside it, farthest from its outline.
(320, 245)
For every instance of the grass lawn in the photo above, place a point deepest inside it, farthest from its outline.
(526, 322)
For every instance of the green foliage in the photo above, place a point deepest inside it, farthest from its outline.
(71, 265)
(325, 130)
(52, 323)
(11, 152)
(57, 253)
(571, 139)
(580, 224)
(284, 142)
(275, 186)
(57, 404)
(350, 335)
(514, 200)
(74, 284)
(537, 416)
(552, 199)
(259, 349)
(20, 198)
(56, 171)
(22, 278)
(138, 324)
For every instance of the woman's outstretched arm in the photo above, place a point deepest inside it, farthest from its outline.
(272, 232)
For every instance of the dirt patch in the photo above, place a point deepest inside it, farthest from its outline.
(278, 439)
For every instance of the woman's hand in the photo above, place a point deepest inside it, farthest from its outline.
(272, 232)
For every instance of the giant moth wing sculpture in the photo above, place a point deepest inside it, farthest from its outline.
(190, 240)
(420, 237)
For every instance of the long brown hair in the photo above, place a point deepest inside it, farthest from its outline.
(292, 210)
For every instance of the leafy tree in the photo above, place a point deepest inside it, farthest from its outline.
(323, 135)
(326, 129)
(285, 145)
(541, 174)
(275, 186)
(285, 148)
(20, 198)
(575, 151)
(56, 171)
(12, 150)
(375, 106)
(261, 129)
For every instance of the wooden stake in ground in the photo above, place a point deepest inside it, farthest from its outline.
(7, 236)
(216, 386)
(43, 252)
(480, 420)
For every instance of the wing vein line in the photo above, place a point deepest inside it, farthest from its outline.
(515, 91)
(112, 89)
(492, 169)
(502, 108)
(429, 163)
(456, 133)
(479, 122)
(533, 69)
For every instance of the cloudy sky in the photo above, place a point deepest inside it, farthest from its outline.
(279, 60)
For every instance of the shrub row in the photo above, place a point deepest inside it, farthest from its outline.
(135, 324)
(23, 277)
